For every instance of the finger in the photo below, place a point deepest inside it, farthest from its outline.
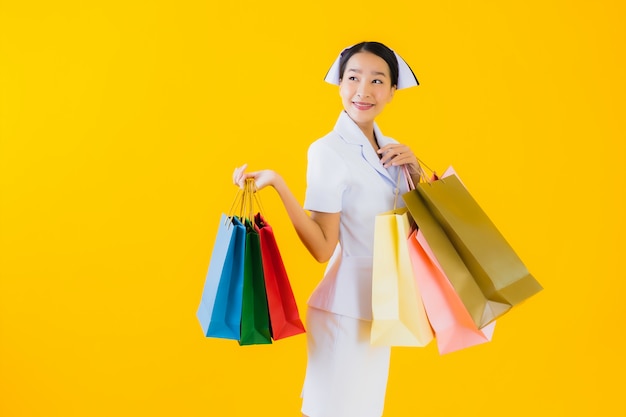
(251, 175)
(394, 156)
(391, 151)
(242, 169)
(387, 152)
(238, 175)
(404, 159)
(235, 175)
(386, 149)
(237, 171)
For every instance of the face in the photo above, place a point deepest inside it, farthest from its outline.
(365, 88)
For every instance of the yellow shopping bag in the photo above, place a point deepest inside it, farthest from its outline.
(399, 317)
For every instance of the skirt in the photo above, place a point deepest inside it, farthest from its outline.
(345, 375)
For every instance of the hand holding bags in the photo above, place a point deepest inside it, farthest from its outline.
(399, 318)
(247, 281)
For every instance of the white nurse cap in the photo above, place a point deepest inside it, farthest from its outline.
(406, 77)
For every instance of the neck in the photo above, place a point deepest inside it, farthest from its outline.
(368, 131)
(371, 137)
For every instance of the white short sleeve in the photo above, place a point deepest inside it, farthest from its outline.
(327, 176)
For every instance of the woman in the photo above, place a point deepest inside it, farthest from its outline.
(351, 177)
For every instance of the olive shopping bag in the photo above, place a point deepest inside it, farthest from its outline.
(484, 270)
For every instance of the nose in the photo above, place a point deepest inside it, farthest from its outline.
(363, 90)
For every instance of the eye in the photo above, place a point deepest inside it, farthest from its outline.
(352, 78)
(377, 82)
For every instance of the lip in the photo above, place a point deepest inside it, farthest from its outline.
(360, 105)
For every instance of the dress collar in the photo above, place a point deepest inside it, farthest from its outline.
(352, 134)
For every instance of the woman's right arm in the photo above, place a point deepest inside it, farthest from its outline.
(319, 232)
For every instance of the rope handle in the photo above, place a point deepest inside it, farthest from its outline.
(409, 180)
(245, 202)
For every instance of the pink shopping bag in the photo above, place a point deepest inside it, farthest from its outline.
(452, 324)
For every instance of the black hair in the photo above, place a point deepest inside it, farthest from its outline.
(375, 48)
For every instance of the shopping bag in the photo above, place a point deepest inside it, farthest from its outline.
(219, 311)
(255, 322)
(468, 244)
(398, 315)
(283, 311)
(499, 271)
(482, 310)
(452, 324)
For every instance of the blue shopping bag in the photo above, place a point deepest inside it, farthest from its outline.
(219, 312)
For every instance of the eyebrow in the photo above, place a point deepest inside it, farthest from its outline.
(358, 71)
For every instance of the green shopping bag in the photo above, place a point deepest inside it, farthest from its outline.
(255, 320)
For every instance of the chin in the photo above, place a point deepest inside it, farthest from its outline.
(360, 118)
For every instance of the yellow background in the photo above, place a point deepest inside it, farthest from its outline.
(121, 123)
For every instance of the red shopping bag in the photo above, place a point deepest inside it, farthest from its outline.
(453, 325)
(284, 315)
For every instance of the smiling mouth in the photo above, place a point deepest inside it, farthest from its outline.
(362, 106)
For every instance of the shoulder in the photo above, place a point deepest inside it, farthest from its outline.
(328, 138)
(327, 155)
(329, 143)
